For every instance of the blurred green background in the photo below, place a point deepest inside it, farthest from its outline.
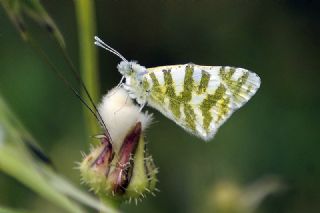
(276, 133)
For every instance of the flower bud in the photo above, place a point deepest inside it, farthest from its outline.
(121, 168)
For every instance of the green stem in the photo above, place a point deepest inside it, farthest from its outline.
(112, 203)
(89, 67)
(88, 56)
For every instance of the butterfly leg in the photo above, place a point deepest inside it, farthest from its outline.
(141, 106)
(120, 83)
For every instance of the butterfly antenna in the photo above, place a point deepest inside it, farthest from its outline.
(105, 46)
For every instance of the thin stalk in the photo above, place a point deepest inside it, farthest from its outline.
(85, 13)
(89, 65)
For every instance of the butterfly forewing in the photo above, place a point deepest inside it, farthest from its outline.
(199, 98)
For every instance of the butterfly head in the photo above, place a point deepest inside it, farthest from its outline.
(131, 69)
(133, 74)
(126, 68)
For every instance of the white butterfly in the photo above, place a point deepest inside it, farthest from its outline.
(198, 98)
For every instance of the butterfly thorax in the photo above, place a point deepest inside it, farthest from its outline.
(134, 80)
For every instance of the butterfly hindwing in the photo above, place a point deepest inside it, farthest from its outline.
(199, 98)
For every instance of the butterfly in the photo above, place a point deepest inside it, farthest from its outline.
(197, 98)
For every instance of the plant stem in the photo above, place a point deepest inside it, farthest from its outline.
(113, 203)
(88, 56)
(89, 66)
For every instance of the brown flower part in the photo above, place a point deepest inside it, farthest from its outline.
(125, 174)
(121, 175)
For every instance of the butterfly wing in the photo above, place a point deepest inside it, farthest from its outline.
(200, 98)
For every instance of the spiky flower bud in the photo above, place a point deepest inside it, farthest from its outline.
(121, 168)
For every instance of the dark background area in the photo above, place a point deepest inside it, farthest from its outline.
(276, 133)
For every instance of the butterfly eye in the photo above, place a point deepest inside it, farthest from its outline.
(130, 68)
